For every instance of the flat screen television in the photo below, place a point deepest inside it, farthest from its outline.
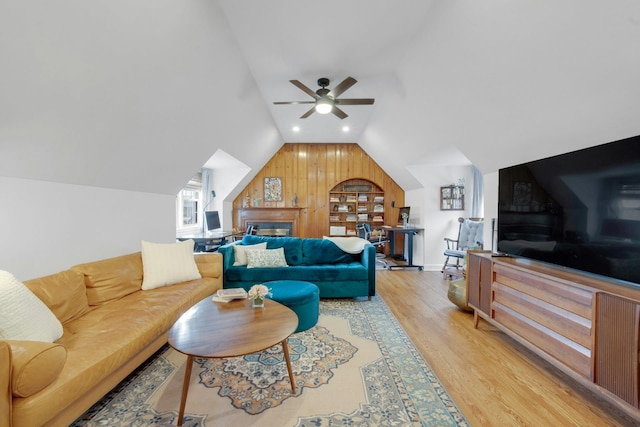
(579, 210)
(213, 220)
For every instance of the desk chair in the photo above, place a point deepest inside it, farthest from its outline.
(470, 236)
(364, 232)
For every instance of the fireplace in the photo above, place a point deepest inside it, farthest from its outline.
(270, 221)
(272, 229)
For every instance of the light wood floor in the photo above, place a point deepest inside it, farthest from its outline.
(493, 380)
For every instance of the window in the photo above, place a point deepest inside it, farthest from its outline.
(189, 206)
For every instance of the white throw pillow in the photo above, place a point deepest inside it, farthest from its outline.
(266, 258)
(23, 316)
(240, 252)
(166, 264)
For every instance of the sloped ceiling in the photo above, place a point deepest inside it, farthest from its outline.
(138, 95)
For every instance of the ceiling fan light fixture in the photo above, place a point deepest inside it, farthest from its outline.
(324, 105)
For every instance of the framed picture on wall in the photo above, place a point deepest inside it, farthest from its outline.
(452, 198)
(272, 189)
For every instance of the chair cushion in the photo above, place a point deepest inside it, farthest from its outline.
(471, 234)
(455, 253)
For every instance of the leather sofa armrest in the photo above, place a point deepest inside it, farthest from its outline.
(5, 384)
(209, 264)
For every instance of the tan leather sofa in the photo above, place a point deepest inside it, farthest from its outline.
(110, 327)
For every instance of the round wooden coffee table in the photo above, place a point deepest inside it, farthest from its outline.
(216, 329)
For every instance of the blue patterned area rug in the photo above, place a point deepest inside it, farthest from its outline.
(356, 367)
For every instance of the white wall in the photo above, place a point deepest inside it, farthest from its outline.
(490, 206)
(425, 211)
(48, 227)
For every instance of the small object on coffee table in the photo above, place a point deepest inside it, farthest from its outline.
(226, 295)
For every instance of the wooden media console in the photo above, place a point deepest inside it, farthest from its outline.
(585, 325)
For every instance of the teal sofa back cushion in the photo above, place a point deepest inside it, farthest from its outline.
(292, 246)
(323, 251)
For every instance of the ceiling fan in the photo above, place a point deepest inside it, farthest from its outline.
(326, 100)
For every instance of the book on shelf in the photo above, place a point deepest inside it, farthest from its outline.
(343, 208)
(226, 295)
(351, 198)
(362, 198)
(363, 217)
(378, 218)
(334, 218)
(378, 199)
(351, 232)
(362, 208)
(378, 208)
(333, 199)
(337, 230)
(351, 218)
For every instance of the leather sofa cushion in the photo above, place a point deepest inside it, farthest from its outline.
(323, 251)
(292, 246)
(64, 293)
(112, 278)
(36, 364)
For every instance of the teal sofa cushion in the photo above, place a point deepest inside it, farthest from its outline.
(323, 251)
(311, 273)
(292, 246)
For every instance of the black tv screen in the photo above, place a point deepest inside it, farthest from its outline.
(579, 210)
(213, 220)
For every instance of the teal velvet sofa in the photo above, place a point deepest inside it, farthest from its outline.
(337, 274)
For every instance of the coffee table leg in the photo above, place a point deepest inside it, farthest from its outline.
(185, 388)
(285, 349)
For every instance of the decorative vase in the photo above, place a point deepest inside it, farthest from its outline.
(258, 302)
(405, 223)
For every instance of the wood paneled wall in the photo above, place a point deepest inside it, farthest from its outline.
(309, 172)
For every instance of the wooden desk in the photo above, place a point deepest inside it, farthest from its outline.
(215, 330)
(209, 241)
(409, 232)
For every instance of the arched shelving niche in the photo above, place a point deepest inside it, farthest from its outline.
(355, 201)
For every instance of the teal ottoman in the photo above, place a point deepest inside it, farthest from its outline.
(301, 297)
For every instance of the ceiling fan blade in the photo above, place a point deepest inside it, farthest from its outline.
(293, 102)
(342, 87)
(308, 113)
(303, 88)
(355, 101)
(338, 112)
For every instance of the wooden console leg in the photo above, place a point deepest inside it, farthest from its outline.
(285, 349)
(185, 388)
(476, 319)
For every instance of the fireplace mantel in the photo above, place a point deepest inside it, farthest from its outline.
(289, 215)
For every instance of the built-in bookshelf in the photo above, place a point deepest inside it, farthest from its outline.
(352, 202)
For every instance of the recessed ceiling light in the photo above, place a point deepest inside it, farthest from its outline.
(345, 128)
(296, 128)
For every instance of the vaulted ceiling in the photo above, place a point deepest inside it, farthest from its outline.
(138, 95)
